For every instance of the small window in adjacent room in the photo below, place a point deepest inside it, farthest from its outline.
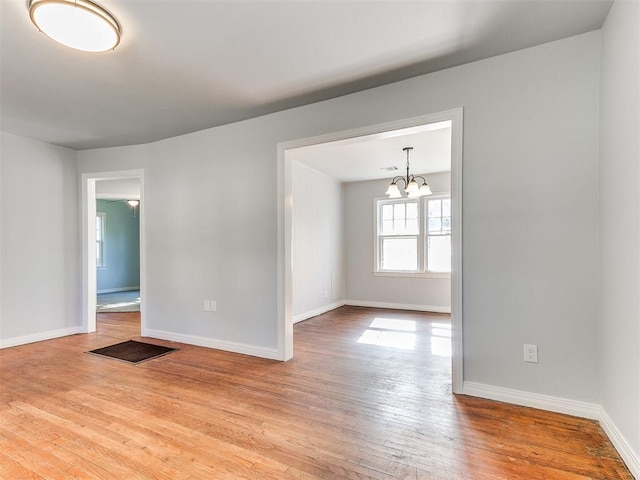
(413, 236)
(100, 224)
(438, 234)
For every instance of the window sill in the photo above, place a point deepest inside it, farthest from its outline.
(413, 274)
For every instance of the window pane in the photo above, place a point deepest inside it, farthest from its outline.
(399, 218)
(399, 254)
(412, 226)
(446, 207)
(439, 254)
(446, 224)
(398, 210)
(99, 255)
(412, 210)
(387, 212)
(435, 225)
(435, 209)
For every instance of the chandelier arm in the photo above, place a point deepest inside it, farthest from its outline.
(423, 179)
(400, 177)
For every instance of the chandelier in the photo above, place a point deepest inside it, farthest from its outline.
(411, 186)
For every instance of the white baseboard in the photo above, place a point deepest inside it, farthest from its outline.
(561, 405)
(399, 306)
(120, 289)
(318, 311)
(271, 353)
(40, 336)
(534, 400)
(631, 458)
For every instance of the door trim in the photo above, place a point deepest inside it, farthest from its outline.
(89, 276)
(285, 209)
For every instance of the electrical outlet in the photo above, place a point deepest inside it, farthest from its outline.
(530, 353)
(213, 305)
(207, 305)
(326, 294)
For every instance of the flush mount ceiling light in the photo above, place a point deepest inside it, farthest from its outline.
(411, 186)
(79, 24)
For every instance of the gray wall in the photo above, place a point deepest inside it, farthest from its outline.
(619, 325)
(39, 254)
(529, 213)
(362, 286)
(121, 247)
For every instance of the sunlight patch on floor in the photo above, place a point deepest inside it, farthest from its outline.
(393, 324)
(397, 333)
(381, 338)
(390, 332)
(441, 339)
(118, 305)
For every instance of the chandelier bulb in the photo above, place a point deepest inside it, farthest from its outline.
(425, 190)
(393, 191)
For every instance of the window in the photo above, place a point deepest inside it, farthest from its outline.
(398, 238)
(414, 235)
(438, 234)
(100, 223)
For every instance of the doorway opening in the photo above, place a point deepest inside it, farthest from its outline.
(118, 245)
(333, 145)
(113, 244)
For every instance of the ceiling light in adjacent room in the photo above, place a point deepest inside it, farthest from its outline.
(79, 24)
(133, 203)
(411, 185)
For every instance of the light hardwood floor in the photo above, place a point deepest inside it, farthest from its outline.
(339, 409)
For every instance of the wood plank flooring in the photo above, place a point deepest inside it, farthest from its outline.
(342, 408)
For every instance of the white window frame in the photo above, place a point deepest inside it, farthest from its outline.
(427, 236)
(422, 236)
(100, 244)
(379, 237)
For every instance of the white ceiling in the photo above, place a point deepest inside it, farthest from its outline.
(369, 157)
(185, 65)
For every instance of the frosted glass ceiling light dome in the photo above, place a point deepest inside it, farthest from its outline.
(79, 24)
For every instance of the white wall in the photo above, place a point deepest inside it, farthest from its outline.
(40, 241)
(362, 287)
(529, 213)
(317, 242)
(120, 188)
(619, 324)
